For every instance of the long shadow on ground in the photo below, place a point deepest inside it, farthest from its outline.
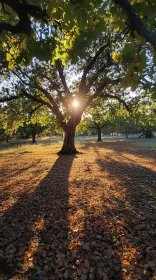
(133, 209)
(128, 146)
(91, 228)
(34, 232)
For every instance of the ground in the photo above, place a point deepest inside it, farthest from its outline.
(89, 216)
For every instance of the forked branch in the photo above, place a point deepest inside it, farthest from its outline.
(135, 23)
(23, 10)
(89, 67)
(62, 77)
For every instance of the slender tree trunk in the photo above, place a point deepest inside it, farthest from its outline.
(7, 138)
(33, 134)
(126, 133)
(99, 134)
(22, 136)
(21, 133)
(98, 131)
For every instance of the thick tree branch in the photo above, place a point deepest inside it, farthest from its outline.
(99, 90)
(134, 22)
(56, 87)
(22, 80)
(52, 105)
(35, 86)
(62, 77)
(107, 82)
(34, 110)
(90, 99)
(36, 99)
(23, 9)
(9, 98)
(107, 95)
(46, 93)
(89, 67)
(96, 124)
(95, 77)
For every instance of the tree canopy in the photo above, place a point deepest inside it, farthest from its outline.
(62, 25)
(58, 52)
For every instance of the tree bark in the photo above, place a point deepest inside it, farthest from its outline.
(68, 147)
(33, 134)
(99, 133)
(21, 132)
(126, 133)
(7, 138)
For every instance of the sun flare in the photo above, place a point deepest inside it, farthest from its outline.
(75, 103)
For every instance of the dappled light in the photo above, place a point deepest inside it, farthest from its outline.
(88, 217)
(21, 172)
(77, 140)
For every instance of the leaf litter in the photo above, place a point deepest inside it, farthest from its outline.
(91, 216)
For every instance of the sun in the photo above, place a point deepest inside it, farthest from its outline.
(75, 103)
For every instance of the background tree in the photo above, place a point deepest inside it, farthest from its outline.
(98, 116)
(145, 118)
(140, 120)
(100, 54)
(11, 118)
(25, 117)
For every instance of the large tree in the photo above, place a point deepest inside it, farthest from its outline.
(47, 85)
(88, 43)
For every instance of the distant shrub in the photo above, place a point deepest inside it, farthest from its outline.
(148, 133)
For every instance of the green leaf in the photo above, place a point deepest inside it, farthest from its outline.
(8, 56)
(12, 51)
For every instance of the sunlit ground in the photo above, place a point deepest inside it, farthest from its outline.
(90, 216)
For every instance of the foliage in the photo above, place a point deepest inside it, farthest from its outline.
(112, 117)
(22, 115)
(142, 119)
(145, 118)
(64, 28)
(87, 39)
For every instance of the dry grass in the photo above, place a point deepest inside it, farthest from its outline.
(90, 216)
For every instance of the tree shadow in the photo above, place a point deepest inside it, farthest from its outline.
(72, 229)
(124, 146)
(134, 196)
(97, 253)
(34, 232)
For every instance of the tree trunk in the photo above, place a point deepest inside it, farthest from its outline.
(22, 136)
(7, 138)
(68, 147)
(99, 134)
(126, 133)
(33, 134)
(98, 131)
(21, 133)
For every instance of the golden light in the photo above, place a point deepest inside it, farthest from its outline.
(75, 103)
